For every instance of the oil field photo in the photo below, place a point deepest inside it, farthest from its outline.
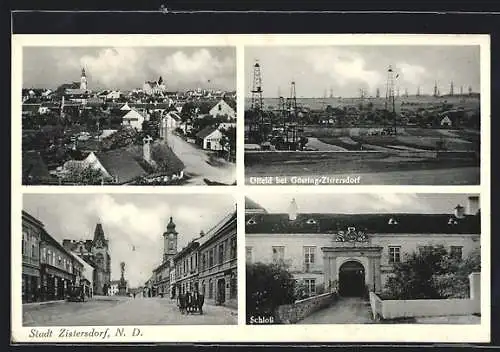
(375, 114)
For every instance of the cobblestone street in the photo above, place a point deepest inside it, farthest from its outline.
(123, 311)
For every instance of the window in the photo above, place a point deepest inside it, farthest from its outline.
(248, 254)
(220, 107)
(25, 239)
(210, 288)
(210, 258)
(221, 253)
(310, 286)
(456, 252)
(309, 254)
(233, 247)
(425, 250)
(278, 254)
(44, 255)
(191, 264)
(203, 260)
(394, 254)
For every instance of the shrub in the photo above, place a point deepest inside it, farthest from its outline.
(268, 286)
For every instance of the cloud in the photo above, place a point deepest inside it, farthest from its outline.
(200, 65)
(411, 73)
(343, 66)
(130, 67)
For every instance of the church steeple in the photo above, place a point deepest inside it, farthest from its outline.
(98, 233)
(83, 80)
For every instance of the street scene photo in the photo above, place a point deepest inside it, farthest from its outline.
(128, 116)
(363, 259)
(136, 259)
(373, 115)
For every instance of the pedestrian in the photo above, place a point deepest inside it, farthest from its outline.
(134, 295)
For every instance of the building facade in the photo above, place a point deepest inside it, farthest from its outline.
(223, 109)
(32, 229)
(218, 276)
(353, 253)
(56, 269)
(96, 253)
(208, 264)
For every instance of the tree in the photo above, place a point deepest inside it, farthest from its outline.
(432, 274)
(268, 286)
(84, 175)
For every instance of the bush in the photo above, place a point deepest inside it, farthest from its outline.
(432, 275)
(268, 286)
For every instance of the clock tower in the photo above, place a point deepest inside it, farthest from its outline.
(169, 241)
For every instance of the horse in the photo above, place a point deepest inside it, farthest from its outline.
(196, 303)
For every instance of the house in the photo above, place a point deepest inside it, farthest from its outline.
(353, 253)
(209, 138)
(133, 118)
(125, 107)
(223, 109)
(86, 275)
(118, 165)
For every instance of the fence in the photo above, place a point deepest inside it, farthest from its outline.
(292, 313)
(391, 309)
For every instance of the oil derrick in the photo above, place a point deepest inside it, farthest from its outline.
(461, 90)
(470, 90)
(257, 126)
(418, 91)
(377, 93)
(390, 101)
(331, 92)
(435, 89)
(451, 89)
(291, 128)
(406, 92)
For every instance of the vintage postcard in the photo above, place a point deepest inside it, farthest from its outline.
(349, 196)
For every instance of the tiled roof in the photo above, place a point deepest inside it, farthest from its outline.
(370, 223)
(252, 205)
(121, 165)
(205, 132)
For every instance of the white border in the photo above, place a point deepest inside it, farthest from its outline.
(265, 333)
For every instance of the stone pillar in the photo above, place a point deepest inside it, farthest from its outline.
(378, 275)
(475, 286)
(333, 269)
(327, 276)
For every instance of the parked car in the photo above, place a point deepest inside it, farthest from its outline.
(76, 295)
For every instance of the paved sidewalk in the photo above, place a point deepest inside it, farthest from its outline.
(351, 310)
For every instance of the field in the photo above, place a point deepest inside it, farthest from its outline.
(406, 139)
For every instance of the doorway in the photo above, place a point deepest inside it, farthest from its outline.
(352, 279)
(221, 291)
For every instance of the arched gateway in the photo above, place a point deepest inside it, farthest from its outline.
(352, 279)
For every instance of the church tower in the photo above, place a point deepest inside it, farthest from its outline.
(83, 80)
(102, 260)
(170, 241)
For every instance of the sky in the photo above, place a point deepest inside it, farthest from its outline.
(359, 203)
(129, 220)
(347, 69)
(127, 68)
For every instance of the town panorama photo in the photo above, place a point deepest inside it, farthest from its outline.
(128, 116)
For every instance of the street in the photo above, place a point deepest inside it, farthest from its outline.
(196, 162)
(116, 310)
(345, 311)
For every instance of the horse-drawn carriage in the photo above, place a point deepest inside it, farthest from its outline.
(190, 302)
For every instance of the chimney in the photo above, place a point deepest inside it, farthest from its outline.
(459, 211)
(202, 233)
(292, 210)
(472, 205)
(147, 149)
